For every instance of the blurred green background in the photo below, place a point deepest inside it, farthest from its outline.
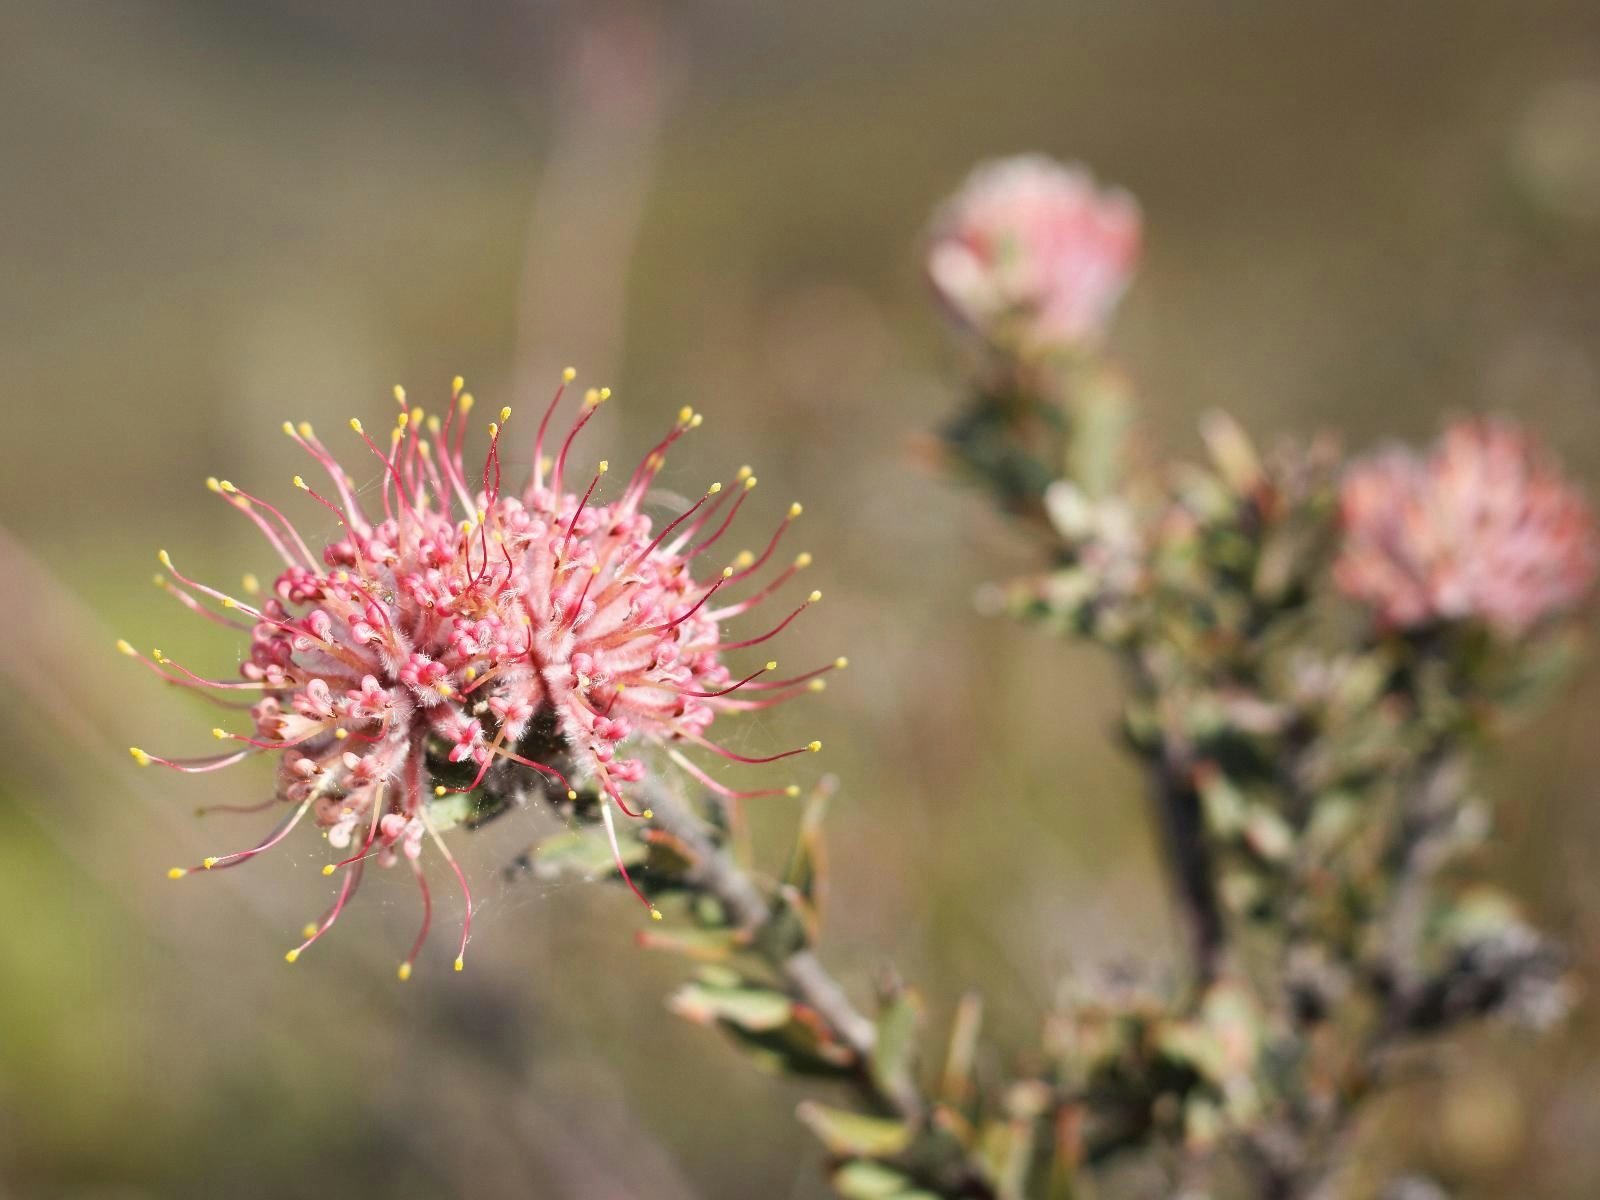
(214, 216)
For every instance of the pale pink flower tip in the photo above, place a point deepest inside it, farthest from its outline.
(1483, 527)
(468, 626)
(1032, 255)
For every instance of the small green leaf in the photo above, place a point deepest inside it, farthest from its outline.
(584, 852)
(853, 1135)
(894, 1050)
(1267, 834)
(807, 870)
(754, 1009)
(702, 945)
(865, 1180)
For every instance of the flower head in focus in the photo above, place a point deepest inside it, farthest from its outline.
(467, 628)
(1032, 255)
(1483, 527)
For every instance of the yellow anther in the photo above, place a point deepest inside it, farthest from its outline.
(505, 413)
(251, 583)
(403, 420)
(139, 756)
(395, 435)
(416, 415)
(445, 690)
(306, 431)
(803, 559)
(156, 654)
(219, 733)
(571, 795)
(213, 483)
(792, 790)
(749, 483)
(159, 579)
(438, 789)
(229, 602)
(744, 473)
(457, 384)
(494, 429)
(545, 462)
(713, 489)
(355, 423)
(177, 873)
(813, 746)
(208, 863)
(814, 597)
(399, 394)
(404, 972)
(727, 572)
(568, 374)
(592, 397)
(743, 559)
(694, 423)
(655, 913)
(329, 869)
(818, 685)
(840, 663)
(341, 734)
(471, 673)
(291, 956)
(685, 415)
(795, 510)
(773, 665)
(605, 465)
(308, 931)
(460, 964)
(605, 393)
(466, 403)
(126, 647)
(433, 427)
(166, 559)
(288, 428)
(299, 482)
(648, 814)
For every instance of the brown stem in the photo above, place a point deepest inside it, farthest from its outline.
(716, 873)
(1189, 863)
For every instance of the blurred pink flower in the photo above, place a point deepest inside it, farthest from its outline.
(1032, 255)
(1482, 527)
(416, 652)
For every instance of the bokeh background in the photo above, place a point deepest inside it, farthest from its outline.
(214, 216)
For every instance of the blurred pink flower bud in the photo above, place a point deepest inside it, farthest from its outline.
(1484, 527)
(1031, 255)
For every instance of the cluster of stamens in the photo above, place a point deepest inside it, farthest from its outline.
(421, 650)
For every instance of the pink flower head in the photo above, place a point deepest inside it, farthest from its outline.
(1032, 255)
(1483, 527)
(421, 649)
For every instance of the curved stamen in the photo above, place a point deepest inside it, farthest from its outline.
(622, 867)
(223, 862)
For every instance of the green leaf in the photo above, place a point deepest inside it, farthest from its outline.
(585, 852)
(894, 1050)
(865, 1180)
(702, 945)
(853, 1135)
(807, 870)
(755, 1009)
(1267, 834)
